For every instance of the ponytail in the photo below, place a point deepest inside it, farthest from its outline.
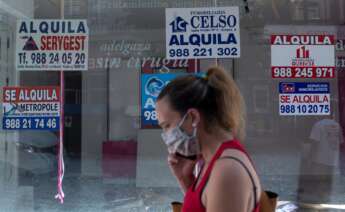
(229, 101)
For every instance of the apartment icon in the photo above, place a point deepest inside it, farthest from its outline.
(179, 25)
(302, 52)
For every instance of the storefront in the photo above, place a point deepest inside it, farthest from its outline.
(113, 154)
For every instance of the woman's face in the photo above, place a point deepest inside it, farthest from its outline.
(167, 117)
(179, 134)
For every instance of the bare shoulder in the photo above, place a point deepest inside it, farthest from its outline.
(227, 168)
(232, 159)
(230, 176)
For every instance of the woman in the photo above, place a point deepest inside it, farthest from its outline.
(204, 117)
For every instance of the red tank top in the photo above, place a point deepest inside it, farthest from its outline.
(192, 200)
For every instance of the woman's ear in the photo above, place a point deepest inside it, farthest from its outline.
(195, 114)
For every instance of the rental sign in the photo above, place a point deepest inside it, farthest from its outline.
(304, 98)
(202, 33)
(52, 44)
(35, 108)
(303, 56)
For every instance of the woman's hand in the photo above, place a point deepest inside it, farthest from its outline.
(183, 169)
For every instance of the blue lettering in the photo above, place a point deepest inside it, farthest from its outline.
(182, 42)
(214, 38)
(23, 28)
(204, 22)
(174, 40)
(219, 38)
(231, 21)
(55, 27)
(232, 39)
(194, 39)
(222, 21)
(81, 28)
(206, 41)
(44, 27)
(63, 27)
(52, 27)
(192, 22)
(32, 30)
(213, 24)
(221, 41)
(69, 28)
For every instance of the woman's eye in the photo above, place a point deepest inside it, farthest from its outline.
(166, 128)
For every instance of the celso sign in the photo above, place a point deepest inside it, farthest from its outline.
(202, 32)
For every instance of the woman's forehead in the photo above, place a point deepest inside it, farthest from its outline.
(164, 110)
(163, 107)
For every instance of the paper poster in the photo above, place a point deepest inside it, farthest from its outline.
(35, 108)
(151, 86)
(303, 56)
(202, 32)
(49, 44)
(304, 98)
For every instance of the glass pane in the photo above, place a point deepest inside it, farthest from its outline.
(114, 163)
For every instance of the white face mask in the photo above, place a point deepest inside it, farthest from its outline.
(180, 142)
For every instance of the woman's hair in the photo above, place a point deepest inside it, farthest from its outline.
(215, 95)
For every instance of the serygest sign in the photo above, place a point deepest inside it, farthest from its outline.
(49, 44)
(202, 33)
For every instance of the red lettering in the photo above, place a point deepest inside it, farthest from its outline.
(60, 38)
(284, 99)
(307, 99)
(77, 44)
(82, 38)
(295, 99)
(71, 42)
(67, 43)
(43, 43)
(54, 43)
(48, 42)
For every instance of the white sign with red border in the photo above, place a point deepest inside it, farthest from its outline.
(303, 56)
